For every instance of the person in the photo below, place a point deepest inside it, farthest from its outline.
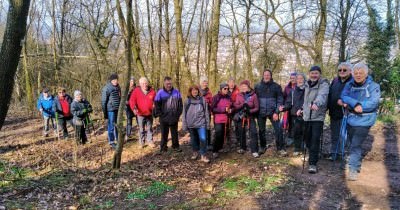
(287, 122)
(196, 120)
(271, 98)
(246, 107)
(361, 96)
(110, 101)
(142, 103)
(221, 108)
(233, 89)
(45, 107)
(335, 105)
(294, 105)
(233, 92)
(128, 111)
(169, 107)
(314, 110)
(80, 109)
(207, 95)
(62, 110)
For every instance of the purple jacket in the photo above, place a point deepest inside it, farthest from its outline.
(250, 98)
(169, 105)
(219, 104)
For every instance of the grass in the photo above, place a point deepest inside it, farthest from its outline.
(388, 119)
(236, 186)
(274, 161)
(12, 175)
(155, 189)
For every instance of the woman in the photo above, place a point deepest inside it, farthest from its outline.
(129, 113)
(246, 107)
(294, 105)
(361, 97)
(196, 120)
(221, 108)
(80, 109)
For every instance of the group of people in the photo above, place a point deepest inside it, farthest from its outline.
(243, 109)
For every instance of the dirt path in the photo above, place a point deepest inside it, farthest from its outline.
(47, 173)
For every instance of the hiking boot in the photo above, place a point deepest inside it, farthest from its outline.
(312, 169)
(262, 150)
(282, 152)
(204, 159)
(240, 151)
(353, 175)
(255, 154)
(215, 155)
(195, 155)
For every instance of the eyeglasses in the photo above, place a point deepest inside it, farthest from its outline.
(342, 70)
(224, 88)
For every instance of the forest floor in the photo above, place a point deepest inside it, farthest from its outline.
(46, 173)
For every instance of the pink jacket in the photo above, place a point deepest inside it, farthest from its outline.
(252, 101)
(219, 104)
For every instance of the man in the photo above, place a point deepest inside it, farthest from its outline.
(207, 95)
(141, 102)
(110, 101)
(314, 109)
(335, 104)
(270, 99)
(169, 107)
(287, 117)
(45, 106)
(62, 109)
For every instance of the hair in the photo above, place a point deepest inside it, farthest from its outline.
(303, 75)
(167, 78)
(231, 79)
(143, 79)
(267, 70)
(360, 66)
(346, 65)
(60, 89)
(191, 88)
(203, 78)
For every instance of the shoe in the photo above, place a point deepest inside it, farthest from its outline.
(255, 154)
(177, 149)
(240, 151)
(296, 153)
(262, 150)
(282, 152)
(215, 155)
(332, 157)
(205, 159)
(194, 156)
(45, 135)
(312, 169)
(353, 175)
(152, 145)
(113, 146)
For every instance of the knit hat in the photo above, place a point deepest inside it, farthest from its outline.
(245, 82)
(77, 93)
(315, 68)
(132, 78)
(222, 85)
(293, 74)
(113, 77)
(203, 78)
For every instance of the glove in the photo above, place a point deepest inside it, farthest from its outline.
(84, 111)
(246, 108)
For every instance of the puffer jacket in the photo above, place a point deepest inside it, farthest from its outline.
(219, 104)
(195, 113)
(294, 101)
(233, 94)
(142, 102)
(288, 89)
(57, 108)
(169, 105)
(47, 105)
(270, 97)
(77, 110)
(317, 94)
(366, 95)
(335, 90)
(251, 99)
(110, 98)
(207, 95)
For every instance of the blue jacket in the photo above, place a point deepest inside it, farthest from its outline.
(169, 105)
(366, 95)
(47, 105)
(270, 97)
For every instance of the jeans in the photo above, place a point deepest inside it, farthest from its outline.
(298, 127)
(220, 135)
(335, 132)
(165, 128)
(249, 124)
(145, 129)
(80, 135)
(46, 122)
(314, 140)
(280, 143)
(198, 139)
(357, 135)
(62, 123)
(111, 127)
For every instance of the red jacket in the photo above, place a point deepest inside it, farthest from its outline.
(219, 104)
(206, 93)
(142, 103)
(251, 99)
(234, 93)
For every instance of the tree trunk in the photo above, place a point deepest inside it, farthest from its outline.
(54, 28)
(10, 51)
(249, 65)
(199, 38)
(344, 14)
(151, 43)
(180, 48)
(320, 34)
(397, 28)
(27, 76)
(159, 50)
(167, 38)
(296, 49)
(214, 42)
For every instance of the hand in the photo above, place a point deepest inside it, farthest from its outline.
(314, 107)
(340, 102)
(345, 105)
(281, 108)
(358, 109)
(275, 117)
(299, 112)
(84, 111)
(228, 110)
(135, 111)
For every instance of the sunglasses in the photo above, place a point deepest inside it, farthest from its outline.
(224, 88)
(342, 70)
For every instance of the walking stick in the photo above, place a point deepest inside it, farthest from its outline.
(58, 133)
(243, 134)
(93, 130)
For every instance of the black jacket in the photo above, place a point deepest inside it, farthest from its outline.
(270, 97)
(57, 106)
(335, 90)
(110, 98)
(294, 101)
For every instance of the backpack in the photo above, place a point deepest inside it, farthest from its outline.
(190, 103)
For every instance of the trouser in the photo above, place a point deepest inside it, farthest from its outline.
(198, 140)
(250, 125)
(219, 136)
(298, 127)
(111, 127)
(280, 143)
(80, 135)
(145, 129)
(46, 122)
(62, 123)
(166, 127)
(314, 140)
(129, 121)
(357, 135)
(335, 135)
(291, 120)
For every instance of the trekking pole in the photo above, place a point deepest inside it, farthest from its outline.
(93, 130)
(321, 142)
(304, 140)
(243, 134)
(58, 133)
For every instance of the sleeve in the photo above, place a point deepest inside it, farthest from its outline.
(288, 102)
(132, 100)
(279, 98)
(238, 105)
(256, 105)
(56, 108)
(216, 109)
(207, 113)
(75, 110)
(104, 100)
(180, 104)
(345, 96)
(184, 124)
(322, 97)
(39, 104)
(89, 107)
(157, 104)
(371, 104)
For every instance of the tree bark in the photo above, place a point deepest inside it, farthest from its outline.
(214, 42)
(10, 51)
(167, 38)
(320, 34)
